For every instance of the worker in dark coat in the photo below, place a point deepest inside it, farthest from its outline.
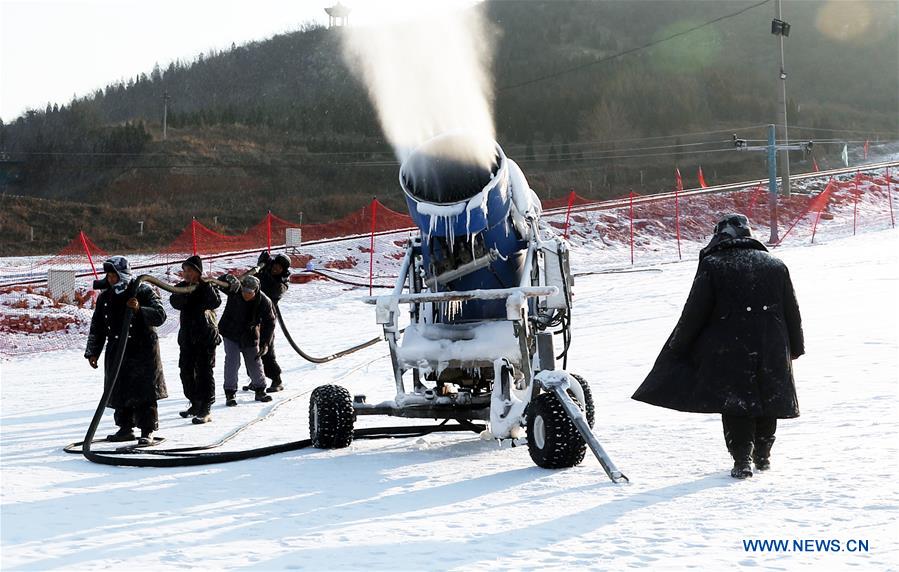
(140, 381)
(197, 338)
(246, 327)
(731, 350)
(274, 280)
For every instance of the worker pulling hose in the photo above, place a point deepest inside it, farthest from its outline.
(193, 456)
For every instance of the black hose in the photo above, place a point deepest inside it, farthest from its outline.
(326, 359)
(188, 456)
(126, 457)
(107, 391)
(347, 282)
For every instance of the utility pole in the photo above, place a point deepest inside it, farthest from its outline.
(771, 149)
(772, 182)
(781, 29)
(165, 112)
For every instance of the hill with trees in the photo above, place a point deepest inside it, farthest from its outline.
(603, 97)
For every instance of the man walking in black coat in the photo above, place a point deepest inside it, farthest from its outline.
(247, 326)
(274, 280)
(140, 381)
(197, 337)
(731, 350)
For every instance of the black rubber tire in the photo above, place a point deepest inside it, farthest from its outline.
(331, 417)
(589, 407)
(553, 440)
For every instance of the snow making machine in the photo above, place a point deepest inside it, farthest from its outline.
(489, 304)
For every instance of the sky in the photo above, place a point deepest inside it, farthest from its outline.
(51, 50)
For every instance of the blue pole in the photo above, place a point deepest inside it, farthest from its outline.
(772, 184)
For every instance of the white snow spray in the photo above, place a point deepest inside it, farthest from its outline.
(429, 76)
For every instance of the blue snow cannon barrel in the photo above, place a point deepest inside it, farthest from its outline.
(459, 194)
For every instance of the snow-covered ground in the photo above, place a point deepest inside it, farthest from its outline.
(455, 502)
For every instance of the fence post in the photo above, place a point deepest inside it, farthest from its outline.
(193, 233)
(568, 212)
(677, 218)
(371, 255)
(268, 230)
(890, 198)
(88, 252)
(631, 196)
(855, 204)
(820, 208)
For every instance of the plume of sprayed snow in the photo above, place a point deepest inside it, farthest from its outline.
(429, 76)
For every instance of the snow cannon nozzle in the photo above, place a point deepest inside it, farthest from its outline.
(450, 168)
(470, 203)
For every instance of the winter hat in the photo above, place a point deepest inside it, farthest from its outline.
(281, 259)
(249, 283)
(194, 262)
(119, 265)
(733, 225)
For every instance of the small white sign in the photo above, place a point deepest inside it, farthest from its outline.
(61, 284)
(294, 237)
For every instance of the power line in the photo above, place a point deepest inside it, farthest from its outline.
(652, 138)
(864, 131)
(599, 153)
(629, 51)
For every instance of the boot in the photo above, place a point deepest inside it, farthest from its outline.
(762, 453)
(741, 454)
(276, 385)
(191, 411)
(203, 415)
(741, 470)
(230, 400)
(123, 434)
(247, 388)
(146, 437)
(262, 396)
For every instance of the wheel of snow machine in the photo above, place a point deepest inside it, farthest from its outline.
(553, 440)
(331, 417)
(587, 402)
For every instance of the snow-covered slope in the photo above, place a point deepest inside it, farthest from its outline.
(460, 503)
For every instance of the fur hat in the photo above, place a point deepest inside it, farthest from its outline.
(249, 283)
(734, 225)
(281, 259)
(194, 262)
(119, 265)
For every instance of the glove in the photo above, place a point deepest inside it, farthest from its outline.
(264, 258)
(233, 283)
(93, 361)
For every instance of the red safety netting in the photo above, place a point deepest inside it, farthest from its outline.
(271, 231)
(638, 228)
(79, 254)
(359, 222)
(635, 229)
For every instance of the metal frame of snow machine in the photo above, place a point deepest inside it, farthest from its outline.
(458, 376)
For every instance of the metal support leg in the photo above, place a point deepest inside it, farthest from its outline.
(559, 385)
